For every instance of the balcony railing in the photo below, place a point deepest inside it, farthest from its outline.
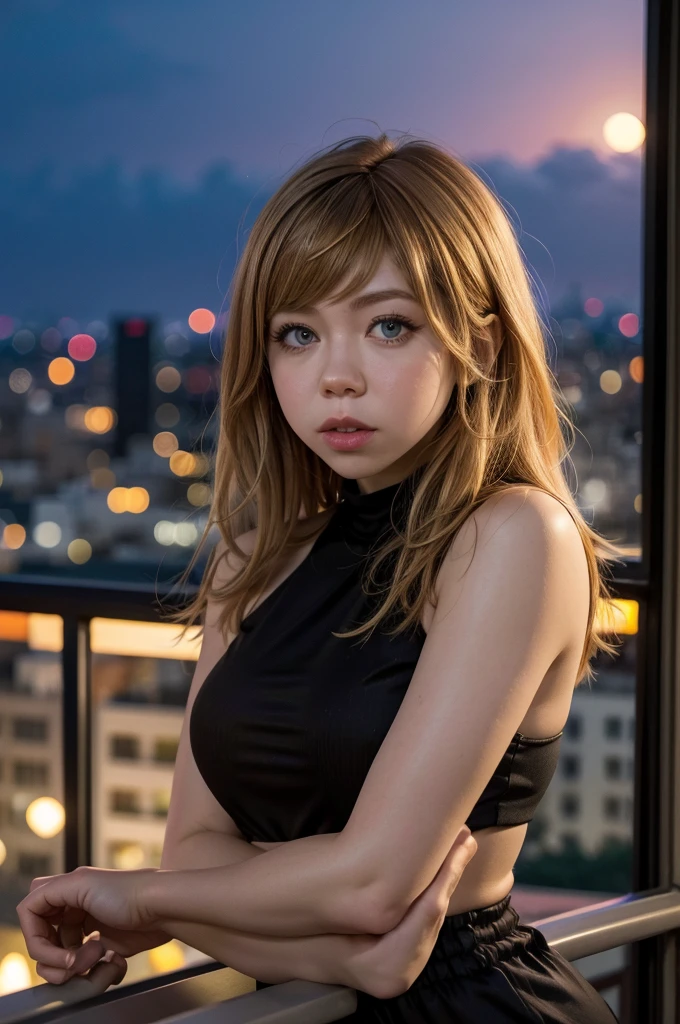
(200, 991)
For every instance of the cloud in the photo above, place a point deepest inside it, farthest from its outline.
(104, 242)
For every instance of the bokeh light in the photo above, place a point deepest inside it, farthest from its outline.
(45, 816)
(593, 307)
(629, 325)
(100, 419)
(128, 499)
(20, 380)
(47, 534)
(610, 382)
(82, 347)
(61, 370)
(165, 444)
(14, 536)
(15, 974)
(168, 379)
(201, 321)
(79, 551)
(167, 415)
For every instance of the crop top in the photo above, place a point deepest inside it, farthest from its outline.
(287, 723)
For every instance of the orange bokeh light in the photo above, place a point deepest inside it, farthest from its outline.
(201, 321)
(61, 370)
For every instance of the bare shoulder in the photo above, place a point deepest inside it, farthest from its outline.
(524, 541)
(521, 515)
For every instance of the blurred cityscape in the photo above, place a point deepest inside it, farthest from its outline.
(106, 438)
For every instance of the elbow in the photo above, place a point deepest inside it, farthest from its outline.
(368, 911)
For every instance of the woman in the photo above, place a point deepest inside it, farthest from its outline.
(321, 783)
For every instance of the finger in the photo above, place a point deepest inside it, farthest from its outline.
(71, 930)
(87, 955)
(108, 972)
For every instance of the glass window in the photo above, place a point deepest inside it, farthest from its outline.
(125, 801)
(125, 748)
(613, 727)
(31, 773)
(574, 727)
(166, 749)
(613, 767)
(33, 730)
(571, 766)
(611, 807)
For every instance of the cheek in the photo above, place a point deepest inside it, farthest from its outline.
(419, 391)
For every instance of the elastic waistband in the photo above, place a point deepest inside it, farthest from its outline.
(476, 939)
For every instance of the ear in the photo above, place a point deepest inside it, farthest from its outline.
(488, 343)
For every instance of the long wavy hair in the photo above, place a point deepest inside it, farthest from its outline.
(335, 218)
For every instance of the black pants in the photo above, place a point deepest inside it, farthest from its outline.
(487, 968)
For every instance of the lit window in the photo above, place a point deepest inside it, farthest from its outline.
(166, 750)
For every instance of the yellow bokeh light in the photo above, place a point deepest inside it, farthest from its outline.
(183, 463)
(61, 370)
(99, 419)
(201, 321)
(129, 857)
(610, 382)
(15, 974)
(3, 852)
(45, 816)
(128, 499)
(617, 616)
(137, 499)
(13, 536)
(623, 132)
(168, 957)
(79, 551)
(165, 443)
(198, 494)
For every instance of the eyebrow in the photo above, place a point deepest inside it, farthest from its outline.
(366, 300)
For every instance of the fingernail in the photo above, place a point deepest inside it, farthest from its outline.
(109, 955)
(70, 959)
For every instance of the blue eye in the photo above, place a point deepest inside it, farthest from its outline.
(394, 320)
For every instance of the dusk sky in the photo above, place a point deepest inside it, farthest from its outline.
(140, 133)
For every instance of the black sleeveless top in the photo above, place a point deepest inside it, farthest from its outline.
(286, 725)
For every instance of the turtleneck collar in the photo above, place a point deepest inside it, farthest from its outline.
(365, 516)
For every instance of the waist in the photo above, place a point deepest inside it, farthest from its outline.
(474, 940)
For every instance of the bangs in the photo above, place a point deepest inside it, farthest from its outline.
(314, 250)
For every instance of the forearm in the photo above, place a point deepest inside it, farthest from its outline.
(323, 958)
(207, 850)
(275, 959)
(300, 888)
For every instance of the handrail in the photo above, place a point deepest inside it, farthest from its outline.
(574, 934)
(617, 922)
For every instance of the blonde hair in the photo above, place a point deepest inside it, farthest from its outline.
(447, 232)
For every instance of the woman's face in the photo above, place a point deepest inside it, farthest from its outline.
(356, 358)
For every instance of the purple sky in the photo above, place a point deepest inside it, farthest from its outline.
(150, 96)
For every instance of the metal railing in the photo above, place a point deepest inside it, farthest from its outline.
(199, 992)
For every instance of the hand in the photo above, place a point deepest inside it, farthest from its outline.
(60, 909)
(387, 965)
